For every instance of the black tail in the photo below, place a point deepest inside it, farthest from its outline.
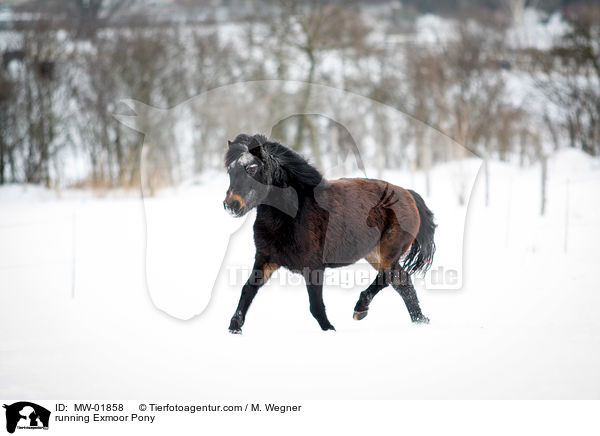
(421, 252)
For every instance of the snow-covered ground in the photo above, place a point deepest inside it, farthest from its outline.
(524, 325)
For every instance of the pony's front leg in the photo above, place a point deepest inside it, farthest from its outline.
(259, 276)
(314, 285)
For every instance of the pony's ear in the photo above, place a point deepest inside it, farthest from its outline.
(229, 143)
(255, 148)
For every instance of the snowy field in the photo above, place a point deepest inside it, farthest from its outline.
(77, 321)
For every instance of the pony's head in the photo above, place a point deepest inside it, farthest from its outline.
(250, 176)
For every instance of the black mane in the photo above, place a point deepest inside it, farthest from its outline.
(287, 167)
(240, 145)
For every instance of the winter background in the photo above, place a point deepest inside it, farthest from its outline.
(517, 200)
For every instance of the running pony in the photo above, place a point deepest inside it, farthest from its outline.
(306, 224)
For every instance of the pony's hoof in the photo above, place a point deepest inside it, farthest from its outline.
(360, 315)
(328, 327)
(235, 326)
(421, 320)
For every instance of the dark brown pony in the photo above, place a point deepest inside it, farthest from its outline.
(306, 223)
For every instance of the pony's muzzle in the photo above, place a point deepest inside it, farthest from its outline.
(234, 204)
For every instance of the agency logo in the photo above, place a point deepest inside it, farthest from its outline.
(26, 415)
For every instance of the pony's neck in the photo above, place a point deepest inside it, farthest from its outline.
(285, 201)
(293, 182)
(303, 177)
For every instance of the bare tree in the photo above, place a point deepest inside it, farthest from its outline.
(7, 101)
(313, 28)
(572, 79)
(38, 105)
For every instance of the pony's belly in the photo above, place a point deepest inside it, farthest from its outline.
(318, 260)
(349, 248)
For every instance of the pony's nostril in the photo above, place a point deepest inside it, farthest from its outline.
(224, 204)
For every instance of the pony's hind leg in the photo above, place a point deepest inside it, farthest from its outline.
(402, 283)
(362, 305)
(380, 258)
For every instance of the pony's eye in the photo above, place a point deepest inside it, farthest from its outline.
(252, 169)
